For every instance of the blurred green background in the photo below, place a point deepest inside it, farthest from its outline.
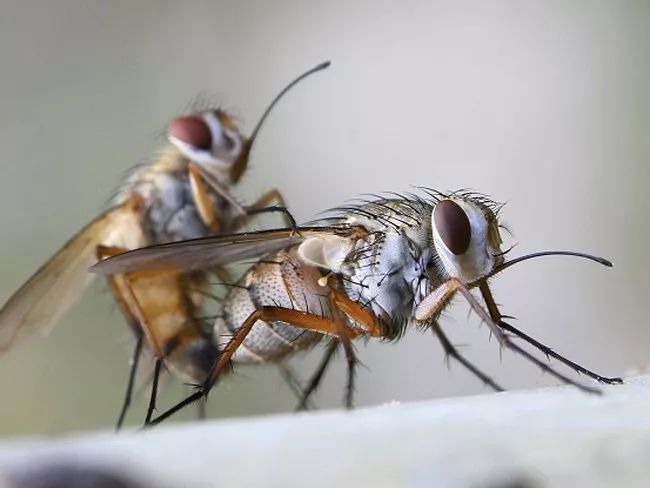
(541, 104)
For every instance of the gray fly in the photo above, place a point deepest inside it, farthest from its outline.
(370, 270)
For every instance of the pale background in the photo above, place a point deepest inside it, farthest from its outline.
(542, 104)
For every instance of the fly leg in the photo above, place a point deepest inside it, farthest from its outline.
(154, 391)
(365, 320)
(272, 201)
(135, 359)
(200, 181)
(498, 318)
(350, 356)
(341, 303)
(289, 376)
(120, 285)
(202, 200)
(433, 304)
(128, 303)
(452, 351)
(318, 375)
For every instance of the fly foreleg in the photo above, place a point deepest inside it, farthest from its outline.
(200, 182)
(202, 200)
(498, 318)
(433, 304)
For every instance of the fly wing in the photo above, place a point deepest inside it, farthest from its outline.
(40, 303)
(210, 252)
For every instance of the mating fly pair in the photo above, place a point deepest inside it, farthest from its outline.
(183, 193)
(370, 270)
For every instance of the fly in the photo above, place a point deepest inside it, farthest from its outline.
(371, 270)
(183, 193)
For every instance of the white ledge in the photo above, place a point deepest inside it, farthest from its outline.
(548, 437)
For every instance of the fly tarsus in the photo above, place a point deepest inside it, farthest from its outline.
(452, 351)
(551, 353)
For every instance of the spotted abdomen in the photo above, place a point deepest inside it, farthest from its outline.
(280, 281)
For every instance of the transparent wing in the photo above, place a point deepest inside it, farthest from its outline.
(210, 252)
(41, 302)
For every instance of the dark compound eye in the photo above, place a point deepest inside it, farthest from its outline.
(191, 130)
(453, 226)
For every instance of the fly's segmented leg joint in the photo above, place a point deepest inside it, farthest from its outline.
(204, 178)
(498, 318)
(290, 221)
(127, 300)
(452, 351)
(552, 354)
(348, 348)
(202, 200)
(273, 201)
(293, 317)
(433, 303)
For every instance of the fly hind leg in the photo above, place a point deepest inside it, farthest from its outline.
(154, 391)
(121, 289)
(135, 359)
(368, 324)
(103, 252)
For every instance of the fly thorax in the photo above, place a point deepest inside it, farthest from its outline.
(172, 213)
(382, 274)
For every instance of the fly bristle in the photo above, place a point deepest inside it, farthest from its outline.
(202, 102)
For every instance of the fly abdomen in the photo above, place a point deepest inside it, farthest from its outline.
(191, 354)
(282, 281)
(169, 308)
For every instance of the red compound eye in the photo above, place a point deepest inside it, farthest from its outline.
(191, 130)
(453, 226)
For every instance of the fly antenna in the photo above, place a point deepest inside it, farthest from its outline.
(240, 164)
(590, 257)
(277, 98)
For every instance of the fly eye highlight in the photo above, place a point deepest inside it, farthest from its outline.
(191, 130)
(453, 226)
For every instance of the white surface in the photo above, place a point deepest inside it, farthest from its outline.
(548, 437)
